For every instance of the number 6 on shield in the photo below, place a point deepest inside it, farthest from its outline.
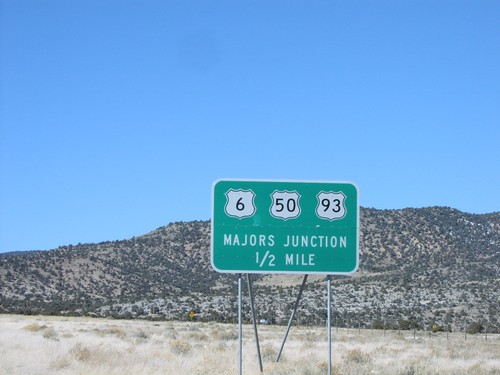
(240, 203)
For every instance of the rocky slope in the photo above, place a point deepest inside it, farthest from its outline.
(418, 268)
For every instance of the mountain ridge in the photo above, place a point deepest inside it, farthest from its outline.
(432, 264)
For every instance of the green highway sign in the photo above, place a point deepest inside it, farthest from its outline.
(308, 227)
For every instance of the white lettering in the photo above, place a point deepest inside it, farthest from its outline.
(333, 241)
(297, 259)
(252, 240)
(313, 241)
(287, 241)
(270, 240)
(343, 241)
(305, 241)
(262, 240)
(298, 241)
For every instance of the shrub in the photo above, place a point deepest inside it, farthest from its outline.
(80, 353)
(268, 353)
(357, 356)
(34, 327)
(475, 328)
(437, 328)
(50, 333)
(180, 347)
(406, 325)
(113, 330)
(224, 335)
(141, 335)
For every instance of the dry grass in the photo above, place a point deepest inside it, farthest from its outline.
(45, 345)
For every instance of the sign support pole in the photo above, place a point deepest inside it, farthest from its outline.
(329, 325)
(240, 330)
(250, 294)
(292, 316)
(251, 233)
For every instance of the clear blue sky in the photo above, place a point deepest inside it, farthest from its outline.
(117, 116)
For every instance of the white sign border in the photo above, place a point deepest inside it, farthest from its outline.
(356, 267)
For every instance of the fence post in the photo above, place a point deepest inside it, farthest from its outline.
(465, 330)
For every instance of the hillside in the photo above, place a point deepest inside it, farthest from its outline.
(419, 267)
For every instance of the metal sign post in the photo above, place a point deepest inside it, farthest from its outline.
(329, 320)
(289, 227)
(329, 324)
(291, 317)
(254, 320)
(240, 329)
